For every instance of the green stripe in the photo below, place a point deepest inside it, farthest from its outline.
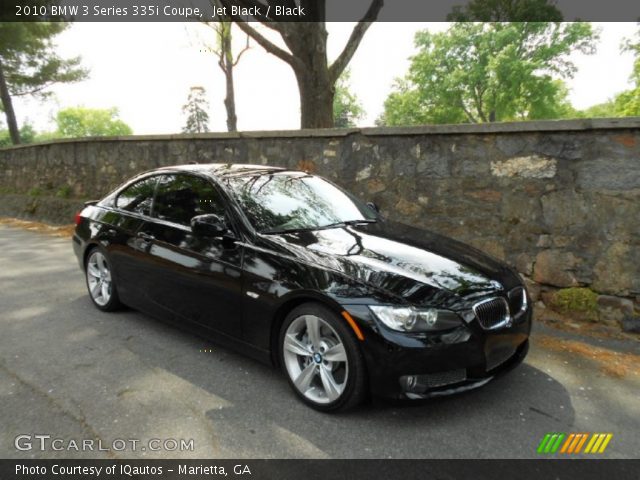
(557, 445)
(547, 449)
(543, 442)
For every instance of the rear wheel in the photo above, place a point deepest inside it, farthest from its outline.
(322, 360)
(102, 289)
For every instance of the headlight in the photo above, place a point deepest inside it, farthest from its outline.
(409, 319)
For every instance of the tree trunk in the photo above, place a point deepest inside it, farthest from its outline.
(307, 55)
(230, 98)
(316, 88)
(7, 104)
(316, 100)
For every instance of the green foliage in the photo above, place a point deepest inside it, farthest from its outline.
(27, 135)
(35, 192)
(576, 300)
(64, 192)
(606, 109)
(347, 109)
(505, 11)
(29, 64)
(196, 111)
(628, 102)
(484, 72)
(29, 60)
(79, 122)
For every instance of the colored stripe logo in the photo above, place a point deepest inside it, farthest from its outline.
(573, 443)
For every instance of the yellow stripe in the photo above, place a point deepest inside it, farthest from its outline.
(567, 442)
(598, 442)
(590, 444)
(605, 443)
(582, 440)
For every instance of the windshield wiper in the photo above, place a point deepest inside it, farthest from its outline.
(276, 231)
(347, 223)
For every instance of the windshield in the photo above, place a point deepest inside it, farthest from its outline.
(285, 201)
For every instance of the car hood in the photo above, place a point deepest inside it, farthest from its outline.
(418, 265)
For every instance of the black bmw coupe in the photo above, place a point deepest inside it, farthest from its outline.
(288, 268)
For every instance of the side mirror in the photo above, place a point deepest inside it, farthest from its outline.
(209, 225)
(373, 207)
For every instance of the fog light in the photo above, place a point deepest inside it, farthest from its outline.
(409, 383)
(422, 383)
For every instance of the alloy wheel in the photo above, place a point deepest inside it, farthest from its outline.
(315, 359)
(99, 278)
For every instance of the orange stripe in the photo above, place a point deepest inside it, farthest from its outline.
(354, 325)
(567, 442)
(574, 443)
(584, 439)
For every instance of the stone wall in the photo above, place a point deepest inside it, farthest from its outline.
(559, 200)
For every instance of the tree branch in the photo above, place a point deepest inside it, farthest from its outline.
(471, 118)
(33, 90)
(266, 44)
(246, 47)
(358, 32)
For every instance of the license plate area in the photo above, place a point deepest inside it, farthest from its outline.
(499, 349)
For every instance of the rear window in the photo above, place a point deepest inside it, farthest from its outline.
(138, 198)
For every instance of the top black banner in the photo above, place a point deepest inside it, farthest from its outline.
(318, 10)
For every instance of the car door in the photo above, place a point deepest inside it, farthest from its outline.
(130, 210)
(197, 278)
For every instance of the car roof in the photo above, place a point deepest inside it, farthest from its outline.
(223, 170)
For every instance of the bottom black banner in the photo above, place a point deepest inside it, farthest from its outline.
(320, 469)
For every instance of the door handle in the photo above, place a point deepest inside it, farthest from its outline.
(146, 236)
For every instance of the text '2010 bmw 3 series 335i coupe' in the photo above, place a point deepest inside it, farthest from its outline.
(289, 268)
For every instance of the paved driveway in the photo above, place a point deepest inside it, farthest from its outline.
(72, 372)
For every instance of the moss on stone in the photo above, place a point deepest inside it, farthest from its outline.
(64, 192)
(582, 302)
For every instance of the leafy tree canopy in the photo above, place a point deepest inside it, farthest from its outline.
(347, 109)
(29, 64)
(90, 122)
(27, 135)
(29, 59)
(628, 103)
(484, 72)
(506, 11)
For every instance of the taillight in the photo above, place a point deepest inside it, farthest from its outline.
(78, 218)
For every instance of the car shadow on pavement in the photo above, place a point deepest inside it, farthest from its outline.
(168, 374)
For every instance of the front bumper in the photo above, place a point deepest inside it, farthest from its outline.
(412, 366)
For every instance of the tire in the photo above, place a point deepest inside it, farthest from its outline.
(99, 279)
(321, 358)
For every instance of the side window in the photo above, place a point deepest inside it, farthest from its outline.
(181, 197)
(137, 198)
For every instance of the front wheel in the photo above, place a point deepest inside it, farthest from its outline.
(102, 289)
(322, 360)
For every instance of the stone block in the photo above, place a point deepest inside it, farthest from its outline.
(555, 267)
